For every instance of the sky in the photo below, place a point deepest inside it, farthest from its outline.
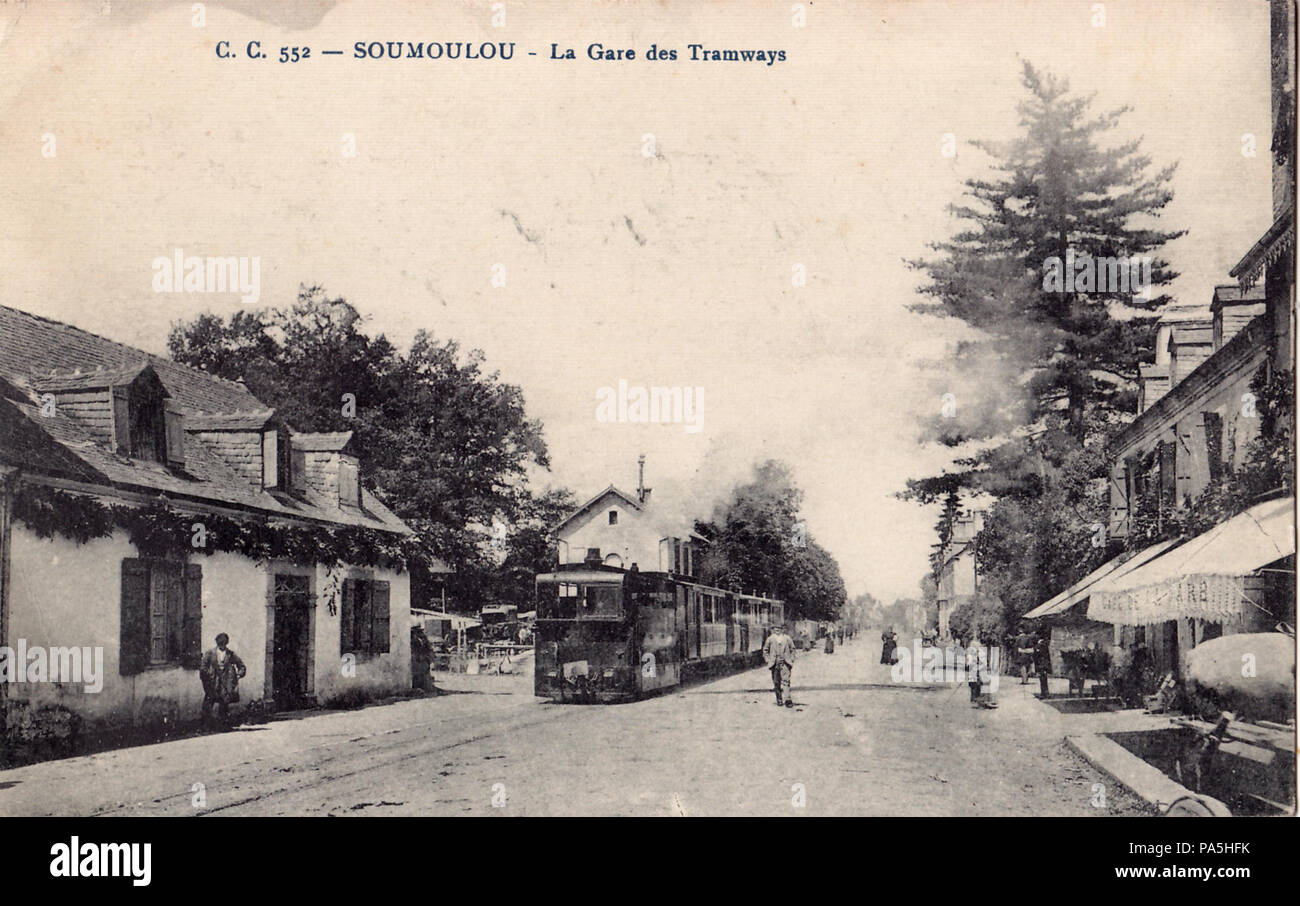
(668, 268)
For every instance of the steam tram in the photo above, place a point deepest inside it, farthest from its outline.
(608, 634)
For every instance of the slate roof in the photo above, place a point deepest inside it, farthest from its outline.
(321, 441)
(64, 445)
(229, 421)
(96, 379)
(1192, 334)
(628, 499)
(32, 346)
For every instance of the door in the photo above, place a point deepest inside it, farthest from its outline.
(291, 641)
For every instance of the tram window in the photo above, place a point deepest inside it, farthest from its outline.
(602, 601)
(557, 602)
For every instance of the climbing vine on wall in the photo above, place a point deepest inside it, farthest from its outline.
(1267, 467)
(158, 530)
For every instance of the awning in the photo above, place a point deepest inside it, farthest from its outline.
(1079, 591)
(1203, 577)
(457, 621)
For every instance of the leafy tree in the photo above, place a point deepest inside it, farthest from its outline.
(530, 546)
(443, 443)
(982, 619)
(758, 543)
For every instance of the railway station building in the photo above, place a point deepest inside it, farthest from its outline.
(615, 528)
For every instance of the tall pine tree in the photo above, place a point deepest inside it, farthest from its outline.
(1056, 198)
(1056, 355)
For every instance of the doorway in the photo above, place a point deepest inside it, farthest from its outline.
(291, 624)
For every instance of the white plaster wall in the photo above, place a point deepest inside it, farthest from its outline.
(377, 674)
(632, 538)
(234, 602)
(64, 594)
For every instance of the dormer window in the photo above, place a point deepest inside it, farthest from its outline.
(140, 418)
(613, 517)
(326, 463)
(139, 424)
(127, 409)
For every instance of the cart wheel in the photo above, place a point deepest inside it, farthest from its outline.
(1197, 807)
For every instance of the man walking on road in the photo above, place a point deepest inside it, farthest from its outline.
(1025, 654)
(1042, 661)
(778, 654)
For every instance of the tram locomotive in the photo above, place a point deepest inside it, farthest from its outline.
(606, 634)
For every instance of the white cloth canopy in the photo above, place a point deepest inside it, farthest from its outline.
(1201, 577)
(1080, 590)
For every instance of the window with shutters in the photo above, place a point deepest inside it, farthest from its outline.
(364, 617)
(140, 422)
(277, 460)
(148, 428)
(162, 610)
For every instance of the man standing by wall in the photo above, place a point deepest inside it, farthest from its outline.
(778, 654)
(220, 672)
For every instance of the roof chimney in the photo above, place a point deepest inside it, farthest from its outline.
(642, 492)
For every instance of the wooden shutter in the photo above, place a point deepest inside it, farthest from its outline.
(122, 420)
(379, 641)
(175, 422)
(175, 586)
(347, 617)
(349, 486)
(1214, 444)
(133, 651)
(270, 459)
(1168, 471)
(192, 617)
(160, 595)
(1118, 494)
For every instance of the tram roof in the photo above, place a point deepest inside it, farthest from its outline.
(589, 576)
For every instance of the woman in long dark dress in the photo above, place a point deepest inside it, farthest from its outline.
(887, 650)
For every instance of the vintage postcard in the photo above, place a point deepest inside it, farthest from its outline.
(645, 408)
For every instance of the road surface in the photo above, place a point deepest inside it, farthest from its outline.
(856, 744)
